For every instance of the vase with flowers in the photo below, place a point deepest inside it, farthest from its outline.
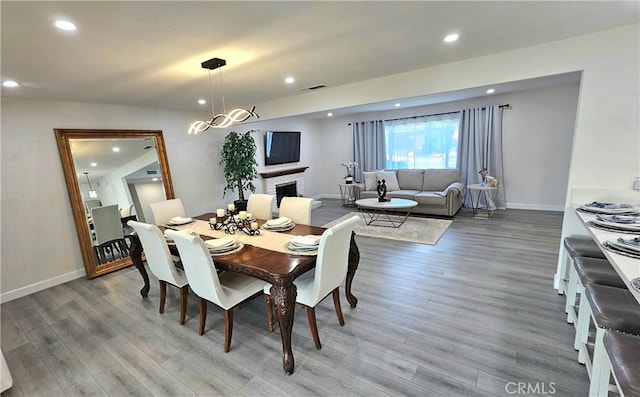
(350, 166)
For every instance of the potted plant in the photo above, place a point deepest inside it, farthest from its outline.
(239, 165)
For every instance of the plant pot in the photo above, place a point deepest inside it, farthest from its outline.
(348, 180)
(241, 205)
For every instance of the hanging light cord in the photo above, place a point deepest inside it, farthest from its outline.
(213, 113)
(224, 108)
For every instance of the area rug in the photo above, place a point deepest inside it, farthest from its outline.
(418, 230)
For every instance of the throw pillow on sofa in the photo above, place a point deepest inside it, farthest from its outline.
(370, 180)
(390, 179)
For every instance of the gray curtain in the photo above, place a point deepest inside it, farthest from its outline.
(368, 146)
(481, 147)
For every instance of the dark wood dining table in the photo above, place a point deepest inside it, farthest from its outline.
(277, 268)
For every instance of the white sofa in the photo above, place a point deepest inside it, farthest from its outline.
(437, 191)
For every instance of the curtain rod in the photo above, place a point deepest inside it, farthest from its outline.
(505, 106)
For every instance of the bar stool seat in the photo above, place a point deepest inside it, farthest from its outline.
(623, 354)
(575, 246)
(588, 271)
(583, 246)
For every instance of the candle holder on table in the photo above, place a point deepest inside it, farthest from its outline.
(230, 222)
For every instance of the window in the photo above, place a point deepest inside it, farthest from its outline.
(422, 142)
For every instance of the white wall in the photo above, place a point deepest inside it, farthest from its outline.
(537, 137)
(39, 244)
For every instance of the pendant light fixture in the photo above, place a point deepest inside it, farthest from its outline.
(92, 193)
(223, 119)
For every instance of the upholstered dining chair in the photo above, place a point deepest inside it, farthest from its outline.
(165, 210)
(91, 203)
(261, 205)
(330, 272)
(109, 236)
(162, 264)
(227, 289)
(298, 209)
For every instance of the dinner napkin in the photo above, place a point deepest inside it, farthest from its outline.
(179, 219)
(626, 219)
(599, 204)
(283, 220)
(220, 242)
(184, 231)
(306, 240)
(635, 241)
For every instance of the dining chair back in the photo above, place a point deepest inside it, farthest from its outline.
(91, 203)
(161, 263)
(261, 205)
(330, 271)
(109, 236)
(165, 210)
(126, 211)
(227, 290)
(298, 209)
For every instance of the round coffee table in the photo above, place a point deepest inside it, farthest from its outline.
(390, 213)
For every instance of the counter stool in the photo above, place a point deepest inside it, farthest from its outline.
(588, 271)
(610, 308)
(575, 246)
(622, 359)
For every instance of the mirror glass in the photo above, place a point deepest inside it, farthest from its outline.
(112, 176)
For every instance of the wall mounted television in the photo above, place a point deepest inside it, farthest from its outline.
(281, 147)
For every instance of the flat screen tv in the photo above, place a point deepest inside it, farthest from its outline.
(281, 147)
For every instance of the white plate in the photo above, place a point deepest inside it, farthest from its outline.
(283, 220)
(231, 250)
(293, 251)
(184, 221)
(278, 228)
(619, 226)
(624, 247)
(220, 242)
(308, 241)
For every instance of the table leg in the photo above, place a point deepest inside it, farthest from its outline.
(135, 252)
(354, 260)
(284, 296)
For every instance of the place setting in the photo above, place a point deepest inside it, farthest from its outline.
(598, 207)
(179, 221)
(223, 246)
(624, 246)
(280, 224)
(184, 231)
(616, 223)
(303, 245)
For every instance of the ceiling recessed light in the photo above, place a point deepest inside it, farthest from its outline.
(116, 149)
(94, 164)
(450, 38)
(202, 101)
(397, 105)
(329, 114)
(490, 91)
(65, 25)
(10, 83)
(289, 80)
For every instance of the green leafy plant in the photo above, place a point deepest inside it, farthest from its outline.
(239, 163)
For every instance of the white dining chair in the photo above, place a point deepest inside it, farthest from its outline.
(165, 210)
(91, 203)
(261, 205)
(109, 236)
(226, 290)
(330, 272)
(298, 209)
(162, 264)
(126, 211)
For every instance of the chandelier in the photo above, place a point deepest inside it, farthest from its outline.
(92, 193)
(224, 119)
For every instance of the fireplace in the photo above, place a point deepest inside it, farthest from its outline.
(271, 179)
(288, 189)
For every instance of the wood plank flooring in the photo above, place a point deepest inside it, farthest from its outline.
(463, 318)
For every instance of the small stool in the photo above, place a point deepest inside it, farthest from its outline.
(575, 246)
(622, 358)
(611, 309)
(589, 271)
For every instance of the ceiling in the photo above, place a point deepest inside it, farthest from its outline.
(149, 53)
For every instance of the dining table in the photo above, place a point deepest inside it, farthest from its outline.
(627, 267)
(273, 265)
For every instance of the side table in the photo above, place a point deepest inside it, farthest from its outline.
(476, 192)
(349, 193)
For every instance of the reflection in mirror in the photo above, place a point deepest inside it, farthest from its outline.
(112, 176)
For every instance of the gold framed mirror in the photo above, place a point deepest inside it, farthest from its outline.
(119, 177)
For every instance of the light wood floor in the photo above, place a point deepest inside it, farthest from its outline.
(465, 317)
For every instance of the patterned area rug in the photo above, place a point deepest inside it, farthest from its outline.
(418, 230)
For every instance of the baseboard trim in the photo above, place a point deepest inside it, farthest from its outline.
(535, 207)
(39, 286)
